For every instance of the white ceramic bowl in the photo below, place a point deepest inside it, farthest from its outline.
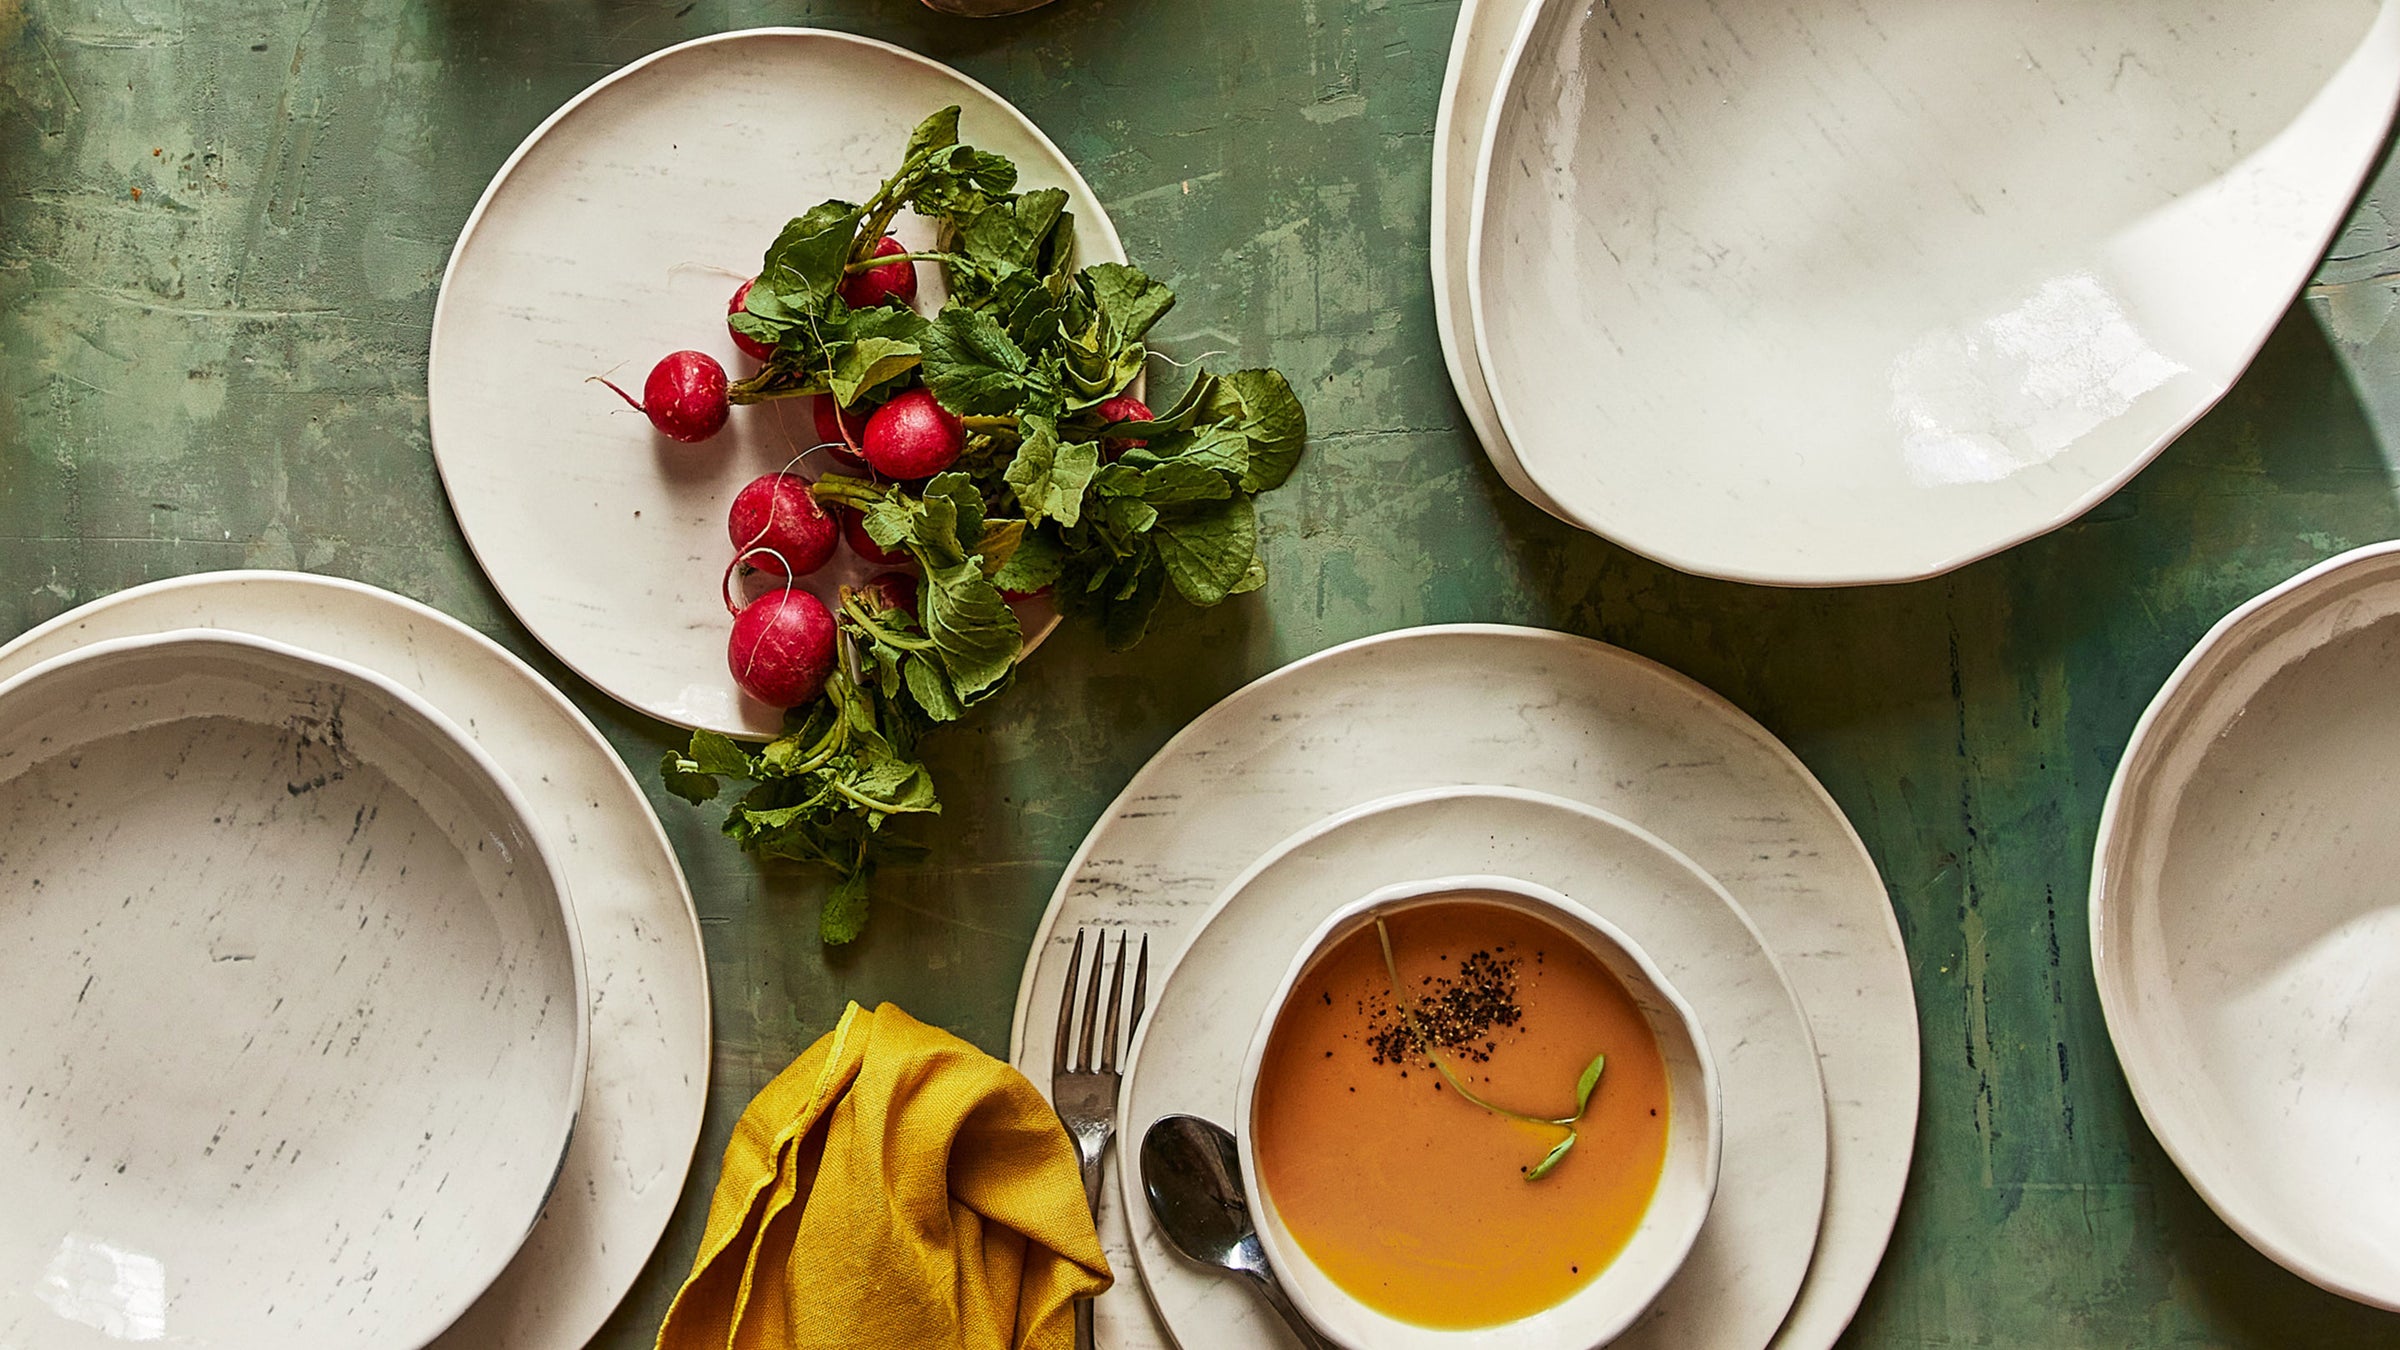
(296, 1011)
(2245, 927)
(1687, 1183)
(1844, 291)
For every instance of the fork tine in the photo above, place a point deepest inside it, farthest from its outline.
(1116, 999)
(1091, 1007)
(1141, 986)
(1066, 1009)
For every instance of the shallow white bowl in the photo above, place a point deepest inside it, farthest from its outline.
(1845, 291)
(1606, 1306)
(2245, 926)
(296, 1011)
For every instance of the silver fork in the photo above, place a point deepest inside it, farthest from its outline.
(1085, 1095)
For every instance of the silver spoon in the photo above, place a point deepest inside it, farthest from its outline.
(1192, 1172)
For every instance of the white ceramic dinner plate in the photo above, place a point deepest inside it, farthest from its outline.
(647, 1083)
(1525, 707)
(2245, 929)
(1735, 1287)
(1841, 291)
(295, 1004)
(613, 236)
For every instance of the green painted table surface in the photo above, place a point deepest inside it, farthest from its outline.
(223, 223)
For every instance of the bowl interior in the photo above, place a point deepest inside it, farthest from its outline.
(2246, 937)
(1727, 229)
(298, 1006)
(1608, 1303)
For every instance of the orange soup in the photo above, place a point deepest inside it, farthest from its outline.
(1415, 1200)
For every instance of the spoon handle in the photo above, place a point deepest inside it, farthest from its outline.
(1085, 1337)
(1281, 1302)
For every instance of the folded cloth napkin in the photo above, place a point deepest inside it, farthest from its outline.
(894, 1188)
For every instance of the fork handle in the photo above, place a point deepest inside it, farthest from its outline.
(1085, 1337)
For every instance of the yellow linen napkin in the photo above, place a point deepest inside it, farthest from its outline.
(895, 1187)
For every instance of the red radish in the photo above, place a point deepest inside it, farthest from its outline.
(684, 396)
(1014, 597)
(912, 437)
(881, 285)
(891, 590)
(779, 527)
(782, 648)
(1122, 408)
(854, 533)
(751, 347)
(839, 429)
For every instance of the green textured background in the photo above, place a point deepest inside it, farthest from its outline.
(229, 371)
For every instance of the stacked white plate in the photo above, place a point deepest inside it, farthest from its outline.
(300, 1017)
(1482, 749)
(1841, 293)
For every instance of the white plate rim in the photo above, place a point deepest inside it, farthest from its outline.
(2385, 31)
(1448, 256)
(2118, 1005)
(578, 1326)
(1803, 1327)
(1128, 1152)
(1112, 249)
(446, 1313)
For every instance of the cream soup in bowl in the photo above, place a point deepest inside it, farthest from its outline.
(1475, 1113)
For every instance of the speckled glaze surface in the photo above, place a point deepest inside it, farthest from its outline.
(2245, 931)
(1528, 708)
(1842, 292)
(1769, 1130)
(297, 1008)
(607, 539)
(645, 1088)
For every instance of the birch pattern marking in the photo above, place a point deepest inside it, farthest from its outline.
(297, 1016)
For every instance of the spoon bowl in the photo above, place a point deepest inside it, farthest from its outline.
(1192, 1174)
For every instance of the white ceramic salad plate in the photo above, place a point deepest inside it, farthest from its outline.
(1831, 293)
(2245, 930)
(615, 235)
(1734, 1288)
(1549, 712)
(646, 1087)
(296, 1004)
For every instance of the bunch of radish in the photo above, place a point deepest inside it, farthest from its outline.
(784, 641)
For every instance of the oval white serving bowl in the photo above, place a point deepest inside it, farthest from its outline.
(2245, 930)
(1832, 292)
(1687, 1182)
(297, 1011)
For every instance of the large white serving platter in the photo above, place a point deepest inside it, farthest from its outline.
(1734, 1288)
(2245, 927)
(295, 1007)
(646, 1087)
(1525, 707)
(1837, 292)
(613, 236)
